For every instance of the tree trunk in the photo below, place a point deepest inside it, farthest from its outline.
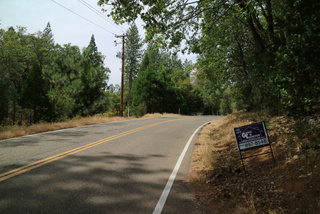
(14, 112)
(256, 37)
(243, 62)
(35, 114)
(269, 19)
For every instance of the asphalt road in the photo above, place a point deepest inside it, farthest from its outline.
(119, 167)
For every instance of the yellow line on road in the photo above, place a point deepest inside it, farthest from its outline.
(28, 167)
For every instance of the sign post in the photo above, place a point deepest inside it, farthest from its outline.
(250, 137)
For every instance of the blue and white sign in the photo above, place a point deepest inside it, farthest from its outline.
(251, 136)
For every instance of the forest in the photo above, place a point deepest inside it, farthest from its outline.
(252, 55)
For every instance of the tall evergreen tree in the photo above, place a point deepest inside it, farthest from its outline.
(133, 56)
(47, 35)
(93, 77)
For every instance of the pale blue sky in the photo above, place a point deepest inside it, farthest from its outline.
(68, 27)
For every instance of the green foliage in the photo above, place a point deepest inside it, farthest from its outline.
(265, 52)
(41, 81)
(91, 99)
(113, 95)
(163, 85)
(297, 57)
(34, 94)
(226, 103)
(172, 18)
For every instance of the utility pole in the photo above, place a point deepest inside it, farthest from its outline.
(122, 73)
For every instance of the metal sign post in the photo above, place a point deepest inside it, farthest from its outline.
(250, 137)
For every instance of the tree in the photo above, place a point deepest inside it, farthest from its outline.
(93, 76)
(34, 94)
(133, 54)
(47, 35)
(297, 62)
(4, 84)
(147, 87)
(63, 74)
(15, 62)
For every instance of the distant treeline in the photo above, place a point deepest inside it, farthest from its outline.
(44, 81)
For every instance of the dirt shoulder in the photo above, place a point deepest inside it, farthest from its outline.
(291, 186)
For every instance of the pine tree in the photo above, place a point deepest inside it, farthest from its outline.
(133, 56)
(93, 77)
(47, 35)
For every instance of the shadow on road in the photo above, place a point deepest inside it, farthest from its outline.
(106, 183)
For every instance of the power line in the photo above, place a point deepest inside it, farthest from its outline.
(100, 14)
(97, 12)
(83, 17)
(106, 17)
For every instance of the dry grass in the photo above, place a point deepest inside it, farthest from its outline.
(159, 115)
(16, 131)
(214, 139)
(292, 186)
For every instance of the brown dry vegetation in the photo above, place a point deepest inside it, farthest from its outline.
(159, 115)
(16, 131)
(291, 186)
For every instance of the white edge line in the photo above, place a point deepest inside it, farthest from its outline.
(166, 191)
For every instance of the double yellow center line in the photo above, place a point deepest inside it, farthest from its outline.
(26, 168)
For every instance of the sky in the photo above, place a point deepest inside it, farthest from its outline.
(67, 27)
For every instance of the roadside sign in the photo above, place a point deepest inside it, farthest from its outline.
(251, 136)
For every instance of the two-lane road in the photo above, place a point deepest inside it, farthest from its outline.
(119, 167)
